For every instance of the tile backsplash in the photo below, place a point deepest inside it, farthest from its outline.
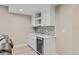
(49, 30)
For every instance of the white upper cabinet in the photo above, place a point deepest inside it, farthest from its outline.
(37, 19)
(48, 16)
(44, 17)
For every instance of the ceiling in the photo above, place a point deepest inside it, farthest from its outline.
(27, 9)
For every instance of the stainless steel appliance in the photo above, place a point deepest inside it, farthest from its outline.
(40, 45)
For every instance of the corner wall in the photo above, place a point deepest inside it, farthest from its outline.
(16, 26)
(64, 29)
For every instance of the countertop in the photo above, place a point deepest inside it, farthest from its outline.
(43, 35)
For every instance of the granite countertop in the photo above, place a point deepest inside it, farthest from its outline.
(43, 35)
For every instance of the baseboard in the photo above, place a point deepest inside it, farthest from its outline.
(19, 45)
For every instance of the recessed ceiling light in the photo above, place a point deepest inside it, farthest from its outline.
(20, 9)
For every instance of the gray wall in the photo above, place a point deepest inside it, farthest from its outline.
(16, 26)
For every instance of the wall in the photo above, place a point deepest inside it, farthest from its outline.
(64, 29)
(75, 29)
(16, 26)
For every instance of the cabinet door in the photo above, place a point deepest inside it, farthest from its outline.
(48, 17)
(49, 46)
(45, 17)
(32, 41)
(29, 40)
(52, 16)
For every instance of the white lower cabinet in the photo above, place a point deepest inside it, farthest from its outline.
(49, 46)
(32, 41)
